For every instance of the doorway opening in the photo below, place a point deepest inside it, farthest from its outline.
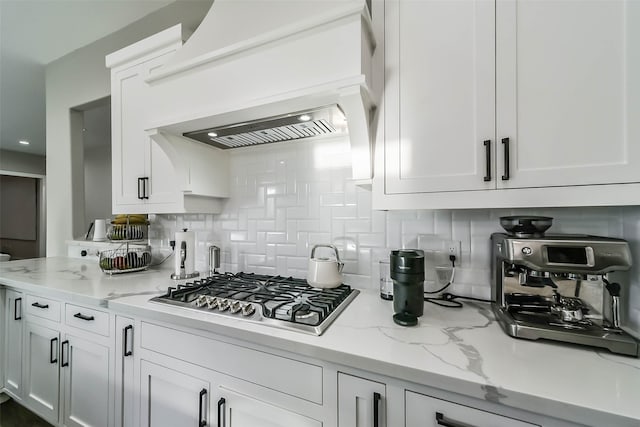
(91, 160)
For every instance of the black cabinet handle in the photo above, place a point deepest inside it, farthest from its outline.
(376, 409)
(443, 421)
(507, 175)
(51, 359)
(15, 309)
(63, 364)
(145, 185)
(83, 317)
(221, 420)
(201, 421)
(487, 152)
(125, 344)
(140, 193)
(38, 305)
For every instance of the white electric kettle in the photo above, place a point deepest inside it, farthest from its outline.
(324, 272)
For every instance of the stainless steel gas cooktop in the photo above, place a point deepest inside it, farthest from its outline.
(283, 302)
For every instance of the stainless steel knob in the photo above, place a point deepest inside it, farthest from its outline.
(235, 307)
(223, 304)
(248, 309)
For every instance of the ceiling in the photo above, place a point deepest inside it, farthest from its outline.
(34, 33)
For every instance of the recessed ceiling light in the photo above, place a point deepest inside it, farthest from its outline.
(212, 134)
(23, 142)
(304, 118)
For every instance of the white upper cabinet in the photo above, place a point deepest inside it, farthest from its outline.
(509, 103)
(141, 170)
(153, 173)
(439, 95)
(567, 89)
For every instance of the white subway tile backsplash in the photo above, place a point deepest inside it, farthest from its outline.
(287, 197)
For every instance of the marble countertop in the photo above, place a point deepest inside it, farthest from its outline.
(458, 350)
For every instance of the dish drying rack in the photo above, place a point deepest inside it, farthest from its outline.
(134, 253)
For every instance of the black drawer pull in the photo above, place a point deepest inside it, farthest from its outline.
(17, 303)
(487, 152)
(145, 184)
(201, 421)
(83, 317)
(443, 421)
(125, 344)
(376, 409)
(51, 347)
(63, 364)
(221, 418)
(38, 305)
(507, 174)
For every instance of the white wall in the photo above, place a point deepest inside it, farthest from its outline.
(287, 197)
(79, 78)
(23, 163)
(97, 183)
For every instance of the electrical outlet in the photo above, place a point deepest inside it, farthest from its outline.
(453, 248)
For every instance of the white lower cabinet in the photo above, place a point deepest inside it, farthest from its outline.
(361, 402)
(62, 371)
(185, 395)
(426, 411)
(86, 373)
(13, 330)
(172, 398)
(41, 371)
(239, 410)
(188, 378)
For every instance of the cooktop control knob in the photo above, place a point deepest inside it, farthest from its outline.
(212, 303)
(248, 309)
(223, 304)
(201, 301)
(235, 307)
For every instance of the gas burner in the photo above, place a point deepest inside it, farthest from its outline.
(285, 302)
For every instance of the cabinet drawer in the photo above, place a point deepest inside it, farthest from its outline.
(427, 411)
(88, 319)
(292, 377)
(43, 307)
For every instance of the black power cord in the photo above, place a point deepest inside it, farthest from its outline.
(447, 299)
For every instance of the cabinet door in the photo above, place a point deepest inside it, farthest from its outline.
(238, 410)
(129, 143)
(426, 411)
(41, 379)
(85, 370)
(439, 95)
(170, 398)
(361, 402)
(568, 96)
(13, 343)
(141, 172)
(124, 376)
(162, 185)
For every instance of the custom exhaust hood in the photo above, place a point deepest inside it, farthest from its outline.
(265, 71)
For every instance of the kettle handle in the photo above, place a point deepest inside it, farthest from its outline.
(324, 245)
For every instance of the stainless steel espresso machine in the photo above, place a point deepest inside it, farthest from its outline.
(560, 287)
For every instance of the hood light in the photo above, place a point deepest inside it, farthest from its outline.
(23, 142)
(304, 118)
(212, 134)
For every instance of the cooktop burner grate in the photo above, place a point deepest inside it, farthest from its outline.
(286, 302)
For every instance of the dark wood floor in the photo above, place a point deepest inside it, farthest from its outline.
(14, 415)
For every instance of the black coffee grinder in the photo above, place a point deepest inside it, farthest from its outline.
(407, 273)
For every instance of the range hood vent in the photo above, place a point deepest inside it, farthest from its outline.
(325, 121)
(254, 67)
